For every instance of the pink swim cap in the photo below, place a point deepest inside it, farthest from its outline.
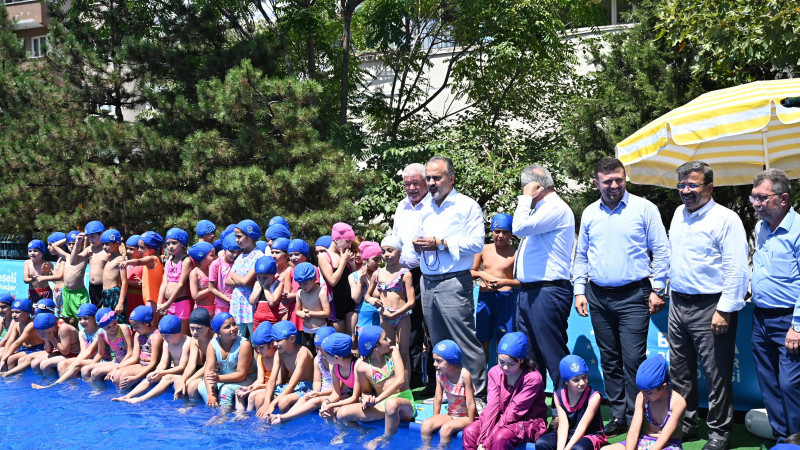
(342, 231)
(369, 249)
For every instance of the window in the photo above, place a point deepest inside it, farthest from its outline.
(38, 46)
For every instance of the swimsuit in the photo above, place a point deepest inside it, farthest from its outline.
(227, 391)
(173, 271)
(32, 348)
(350, 381)
(302, 388)
(241, 309)
(594, 431)
(59, 301)
(151, 281)
(36, 294)
(134, 294)
(647, 441)
(325, 375)
(181, 307)
(266, 313)
(145, 348)
(267, 373)
(342, 300)
(96, 294)
(73, 299)
(649, 414)
(456, 394)
(397, 285)
(203, 284)
(367, 312)
(88, 339)
(117, 345)
(379, 377)
(395, 321)
(110, 297)
(218, 272)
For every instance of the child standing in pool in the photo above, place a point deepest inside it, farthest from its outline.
(202, 254)
(228, 359)
(322, 384)
(297, 361)
(242, 275)
(580, 426)
(114, 337)
(456, 383)
(515, 410)
(383, 368)
(395, 287)
(173, 297)
(659, 410)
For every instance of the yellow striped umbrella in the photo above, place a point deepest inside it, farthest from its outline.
(737, 131)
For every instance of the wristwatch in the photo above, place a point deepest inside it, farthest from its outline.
(662, 292)
(441, 245)
(796, 327)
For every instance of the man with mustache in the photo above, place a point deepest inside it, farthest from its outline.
(611, 272)
(708, 276)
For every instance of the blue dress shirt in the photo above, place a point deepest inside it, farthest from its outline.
(776, 265)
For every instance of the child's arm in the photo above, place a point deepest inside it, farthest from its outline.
(155, 359)
(326, 267)
(678, 407)
(397, 381)
(74, 256)
(355, 286)
(133, 355)
(211, 376)
(469, 389)
(303, 360)
(316, 382)
(563, 426)
(369, 297)
(64, 340)
(188, 371)
(57, 273)
(11, 343)
(27, 272)
(264, 411)
(437, 398)
(591, 409)
(212, 287)
(635, 430)
(194, 284)
(162, 292)
(234, 280)
(123, 291)
(59, 248)
(476, 271)
(255, 294)
(187, 265)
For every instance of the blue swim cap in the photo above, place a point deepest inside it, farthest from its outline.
(37, 245)
(228, 230)
(514, 345)
(338, 344)
(263, 334)
(46, 304)
(179, 235)
(205, 227)
(94, 227)
(199, 251)
(152, 239)
(281, 244)
(283, 330)
(169, 325)
(44, 321)
(449, 351)
(133, 241)
(501, 222)
(262, 246)
(321, 334)
(277, 231)
(87, 310)
(200, 316)
(368, 337)
(305, 271)
(250, 228)
(298, 246)
(6, 298)
(266, 265)
(72, 235)
(218, 320)
(110, 236)
(229, 243)
(104, 316)
(324, 241)
(572, 366)
(55, 237)
(278, 220)
(218, 245)
(143, 314)
(23, 304)
(652, 373)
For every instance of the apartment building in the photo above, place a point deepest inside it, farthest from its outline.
(32, 25)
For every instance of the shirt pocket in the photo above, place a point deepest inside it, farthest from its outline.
(783, 267)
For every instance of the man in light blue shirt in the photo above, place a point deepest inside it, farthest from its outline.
(708, 282)
(451, 233)
(776, 295)
(611, 273)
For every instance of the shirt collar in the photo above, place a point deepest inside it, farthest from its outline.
(700, 212)
(451, 198)
(405, 203)
(547, 198)
(623, 201)
(786, 223)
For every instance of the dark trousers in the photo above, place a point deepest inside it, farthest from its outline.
(620, 320)
(549, 441)
(419, 341)
(690, 337)
(778, 371)
(542, 315)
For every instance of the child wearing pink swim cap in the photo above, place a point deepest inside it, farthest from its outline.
(336, 265)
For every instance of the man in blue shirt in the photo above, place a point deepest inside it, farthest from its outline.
(708, 276)
(776, 295)
(611, 272)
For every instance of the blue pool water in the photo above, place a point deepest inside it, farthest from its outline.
(77, 415)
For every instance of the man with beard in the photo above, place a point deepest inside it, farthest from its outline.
(776, 295)
(611, 272)
(708, 276)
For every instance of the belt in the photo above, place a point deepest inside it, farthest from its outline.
(444, 276)
(550, 283)
(775, 312)
(624, 288)
(694, 298)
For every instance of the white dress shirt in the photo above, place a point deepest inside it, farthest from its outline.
(406, 224)
(459, 221)
(709, 254)
(548, 234)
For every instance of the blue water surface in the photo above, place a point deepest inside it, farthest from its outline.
(80, 415)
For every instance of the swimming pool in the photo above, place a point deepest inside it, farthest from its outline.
(77, 415)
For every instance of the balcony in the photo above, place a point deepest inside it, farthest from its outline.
(29, 14)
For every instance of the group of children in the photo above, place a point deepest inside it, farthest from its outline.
(251, 325)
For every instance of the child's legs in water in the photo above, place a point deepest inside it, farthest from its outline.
(354, 413)
(255, 399)
(191, 388)
(452, 428)
(432, 424)
(36, 360)
(397, 409)
(49, 366)
(303, 407)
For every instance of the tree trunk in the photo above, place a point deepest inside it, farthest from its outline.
(348, 17)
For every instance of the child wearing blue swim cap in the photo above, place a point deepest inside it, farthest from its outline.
(249, 398)
(455, 382)
(337, 350)
(580, 425)
(312, 301)
(115, 279)
(150, 245)
(517, 413)
(175, 296)
(16, 355)
(114, 337)
(242, 276)
(224, 375)
(60, 342)
(268, 306)
(203, 255)
(34, 268)
(147, 349)
(186, 385)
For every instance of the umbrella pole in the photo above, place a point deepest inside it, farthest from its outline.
(766, 150)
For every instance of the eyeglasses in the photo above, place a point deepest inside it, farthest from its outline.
(691, 186)
(760, 198)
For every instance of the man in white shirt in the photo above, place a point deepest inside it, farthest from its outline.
(451, 233)
(546, 225)
(406, 224)
(709, 275)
